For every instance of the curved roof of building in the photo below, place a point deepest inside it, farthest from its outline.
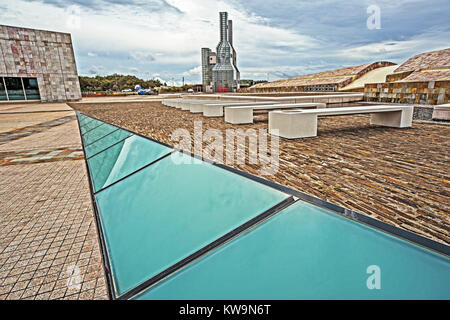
(375, 76)
(427, 60)
(428, 66)
(340, 77)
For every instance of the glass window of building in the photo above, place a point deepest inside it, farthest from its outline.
(15, 89)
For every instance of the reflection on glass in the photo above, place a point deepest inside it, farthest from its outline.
(84, 120)
(306, 252)
(122, 159)
(31, 88)
(97, 133)
(14, 87)
(105, 142)
(2, 90)
(90, 125)
(167, 211)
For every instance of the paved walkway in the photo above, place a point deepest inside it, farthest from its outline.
(48, 239)
(398, 176)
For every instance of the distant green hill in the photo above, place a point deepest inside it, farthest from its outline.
(108, 83)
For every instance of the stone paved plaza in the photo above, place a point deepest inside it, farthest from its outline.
(48, 239)
(395, 175)
(49, 246)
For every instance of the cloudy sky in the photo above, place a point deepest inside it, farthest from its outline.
(277, 39)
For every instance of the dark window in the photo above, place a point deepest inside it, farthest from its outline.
(14, 87)
(2, 90)
(31, 88)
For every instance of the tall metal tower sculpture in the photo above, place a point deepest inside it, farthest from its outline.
(219, 70)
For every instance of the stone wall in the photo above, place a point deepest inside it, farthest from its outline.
(47, 56)
(428, 92)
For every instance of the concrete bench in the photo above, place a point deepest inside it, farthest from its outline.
(216, 109)
(171, 102)
(293, 124)
(325, 98)
(441, 112)
(184, 104)
(244, 114)
(195, 106)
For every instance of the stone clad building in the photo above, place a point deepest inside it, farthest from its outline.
(344, 79)
(422, 79)
(37, 65)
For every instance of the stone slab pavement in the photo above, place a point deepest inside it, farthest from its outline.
(49, 246)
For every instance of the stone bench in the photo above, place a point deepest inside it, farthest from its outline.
(171, 102)
(293, 124)
(168, 102)
(196, 106)
(216, 109)
(441, 112)
(184, 104)
(244, 114)
(325, 98)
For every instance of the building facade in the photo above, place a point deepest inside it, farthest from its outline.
(344, 79)
(37, 65)
(422, 79)
(206, 69)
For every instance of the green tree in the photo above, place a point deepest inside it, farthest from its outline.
(107, 83)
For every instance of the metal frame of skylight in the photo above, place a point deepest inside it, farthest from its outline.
(115, 143)
(100, 138)
(295, 195)
(93, 128)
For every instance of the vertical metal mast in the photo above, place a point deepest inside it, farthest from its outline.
(233, 52)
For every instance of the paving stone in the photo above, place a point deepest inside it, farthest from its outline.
(386, 173)
(45, 209)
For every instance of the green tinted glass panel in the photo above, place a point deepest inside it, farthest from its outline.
(169, 210)
(31, 88)
(82, 118)
(97, 133)
(87, 120)
(105, 142)
(2, 90)
(15, 88)
(305, 252)
(90, 125)
(122, 159)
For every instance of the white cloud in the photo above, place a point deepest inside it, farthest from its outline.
(166, 37)
(194, 71)
(163, 38)
(142, 56)
(431, 40)
(97, 70)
